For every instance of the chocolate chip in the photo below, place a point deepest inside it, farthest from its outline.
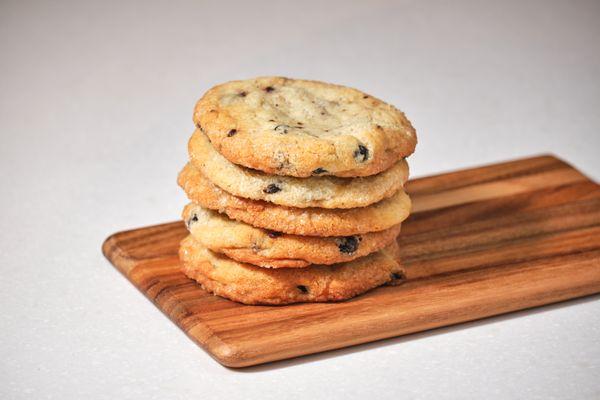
(378, 127)
(242, 94)
(272, 188)
(283, 129)
(269, 89)
(361, 154)
(231, 132)
(299, 123)
(274, 234)
(302, 288)
(365, 97)
(349, 244)
(319, 171)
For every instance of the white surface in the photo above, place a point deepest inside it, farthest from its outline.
(95, 111)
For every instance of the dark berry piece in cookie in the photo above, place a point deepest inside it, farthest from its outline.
(274, 234)
(349, 244)
(361, 154)
(231, 132)
(319, 171)
(281, 128)
(191, 220)
(302, 288)
(272, 188)
(269, 89)
(243, 94)
(398, 276)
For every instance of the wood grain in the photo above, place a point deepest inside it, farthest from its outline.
(481, 242)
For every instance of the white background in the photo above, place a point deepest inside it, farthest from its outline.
(96, 100)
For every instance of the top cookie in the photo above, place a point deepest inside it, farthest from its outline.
(303, 128)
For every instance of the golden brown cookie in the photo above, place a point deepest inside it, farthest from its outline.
(270, 249)
(297, 221)
(324, 192)
(303, 128)
(250, 284)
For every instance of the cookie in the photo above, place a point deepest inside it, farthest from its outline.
(270, 249)
(303, 128)
(324, 192)
(250, 284)
(297, 221)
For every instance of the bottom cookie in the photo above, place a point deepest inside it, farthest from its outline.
(250, 284)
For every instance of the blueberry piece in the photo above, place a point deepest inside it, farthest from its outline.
(272, 188)
(319, 171)
(274, 234)
(191, 220)
(349, 244)
(302, 288)
(231, 132)
(243, 94)
(397, 276)
(281, 128)
(269, 89)
(361, 154)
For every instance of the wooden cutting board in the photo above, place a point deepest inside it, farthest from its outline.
(480, 242)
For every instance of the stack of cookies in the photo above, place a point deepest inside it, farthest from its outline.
(296, 191)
